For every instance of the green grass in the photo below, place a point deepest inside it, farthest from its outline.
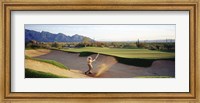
(48, 61)
(153, 77)
(29, 73)
(27, 57)
(125, 53)
(139, 62)
(136, 57)
(31, 48)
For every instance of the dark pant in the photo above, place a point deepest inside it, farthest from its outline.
(90, 68)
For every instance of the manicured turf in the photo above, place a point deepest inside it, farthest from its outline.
(29, 73)
(125, 53)
(48, 61)
(135, 57)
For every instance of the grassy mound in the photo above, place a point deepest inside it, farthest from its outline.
(139, 62)
(29, 73)
(135, 57)
(83, 54)
(130, 61)
(48, 61)
(124, 53)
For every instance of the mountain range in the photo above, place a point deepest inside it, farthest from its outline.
(45, 36)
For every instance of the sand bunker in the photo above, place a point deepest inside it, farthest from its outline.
(108, 67)
(37, 52)
(46, 67)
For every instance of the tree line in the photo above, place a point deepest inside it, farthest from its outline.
(168, 46)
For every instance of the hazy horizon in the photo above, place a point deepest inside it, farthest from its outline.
(110, 32)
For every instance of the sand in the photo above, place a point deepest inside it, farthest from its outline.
(49, 68)
(104, 66)
(37, 52)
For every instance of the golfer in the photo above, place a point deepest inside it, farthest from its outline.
(89, 63)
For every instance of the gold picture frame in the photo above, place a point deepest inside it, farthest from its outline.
(46, 5)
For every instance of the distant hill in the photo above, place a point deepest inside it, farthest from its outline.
(159, 41)
(50, 37)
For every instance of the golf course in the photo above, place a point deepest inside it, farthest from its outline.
(99, 51)
(111, 63)
(124, 53)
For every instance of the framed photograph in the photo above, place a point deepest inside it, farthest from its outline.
(99, 50)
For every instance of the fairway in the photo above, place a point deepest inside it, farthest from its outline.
(125, 53)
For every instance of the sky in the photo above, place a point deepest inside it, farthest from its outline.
(111, 32)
